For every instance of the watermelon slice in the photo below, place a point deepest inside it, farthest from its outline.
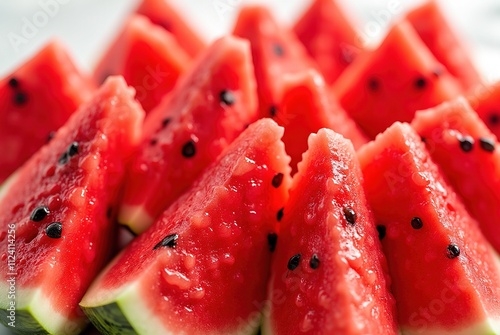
(329, 36)
(445, 277)
(203, 266)
(394, 81)
(149, 59)
(485, 100)
(435, 31)
(308, 106)
(35, 100)
(209, 108)
(57, 211)
(161, 13)
(275, 51)
(459, 142)
(329, 275)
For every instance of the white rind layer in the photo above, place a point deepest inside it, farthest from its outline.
(488, 327)
(134, 217)
(34, 302)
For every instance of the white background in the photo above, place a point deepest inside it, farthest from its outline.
(86, 26)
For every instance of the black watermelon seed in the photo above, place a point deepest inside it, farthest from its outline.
(189, 149)
(20, 98)
(170, 242)
(165, 122)
(272, 239)
(50, 136)
(39, 213)
(54, 230)
(293, 262)
(227, 97)
(13, 82)
(423, 139)
(381, 231)
(487, 144)
(350, 215)
(417, 223)
(279, 215)
(314, 262)
(494, 118)
(453, 251)
(277, 180)
(64, 158)
(73, 149)
(278, 49)
(373, 84)
(273, 110)
(466, 143)
(420, 83)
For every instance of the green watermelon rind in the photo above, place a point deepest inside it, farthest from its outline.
(31, 307)
(488, 327)
(135, 218)
(121, 312)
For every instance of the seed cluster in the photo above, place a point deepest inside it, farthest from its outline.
(467, 143)
(54, 229)
(20, 98)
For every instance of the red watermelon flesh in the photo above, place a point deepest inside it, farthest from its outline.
(276, 51)
(163, 14)
(207, 110)
(394, 81)
(445, 277)
(35, 100)
(148, 57)
(460, 143)
(435, 31)
(60, 204)
(203, 266)
(485, 100)
(329, 275)
(327, 32)
(308, 106)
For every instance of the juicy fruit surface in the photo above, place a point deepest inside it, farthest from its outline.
(209, 108)
(275, 51)
(163, 14)
(35, 100)
(485, 100)
(60, 203)
(434, 30)
(308, 106)
(329, 36)
(459, 143)
(328, 259)
(148, 57)
(402, 64)
(428, 237)
(212, 277)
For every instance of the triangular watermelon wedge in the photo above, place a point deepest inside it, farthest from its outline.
(327, 32)
(202, 267)
(276, 51)
(148, 57)
(329, 274)
(57, 226)
(163, 14)
(392, 82)
(485, 100)
(459, 142)
(433, 28)
(35, 100)
(207, 110)
(308, 106)
(445, 276)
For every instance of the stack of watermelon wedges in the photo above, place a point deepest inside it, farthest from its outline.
(277, 180)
